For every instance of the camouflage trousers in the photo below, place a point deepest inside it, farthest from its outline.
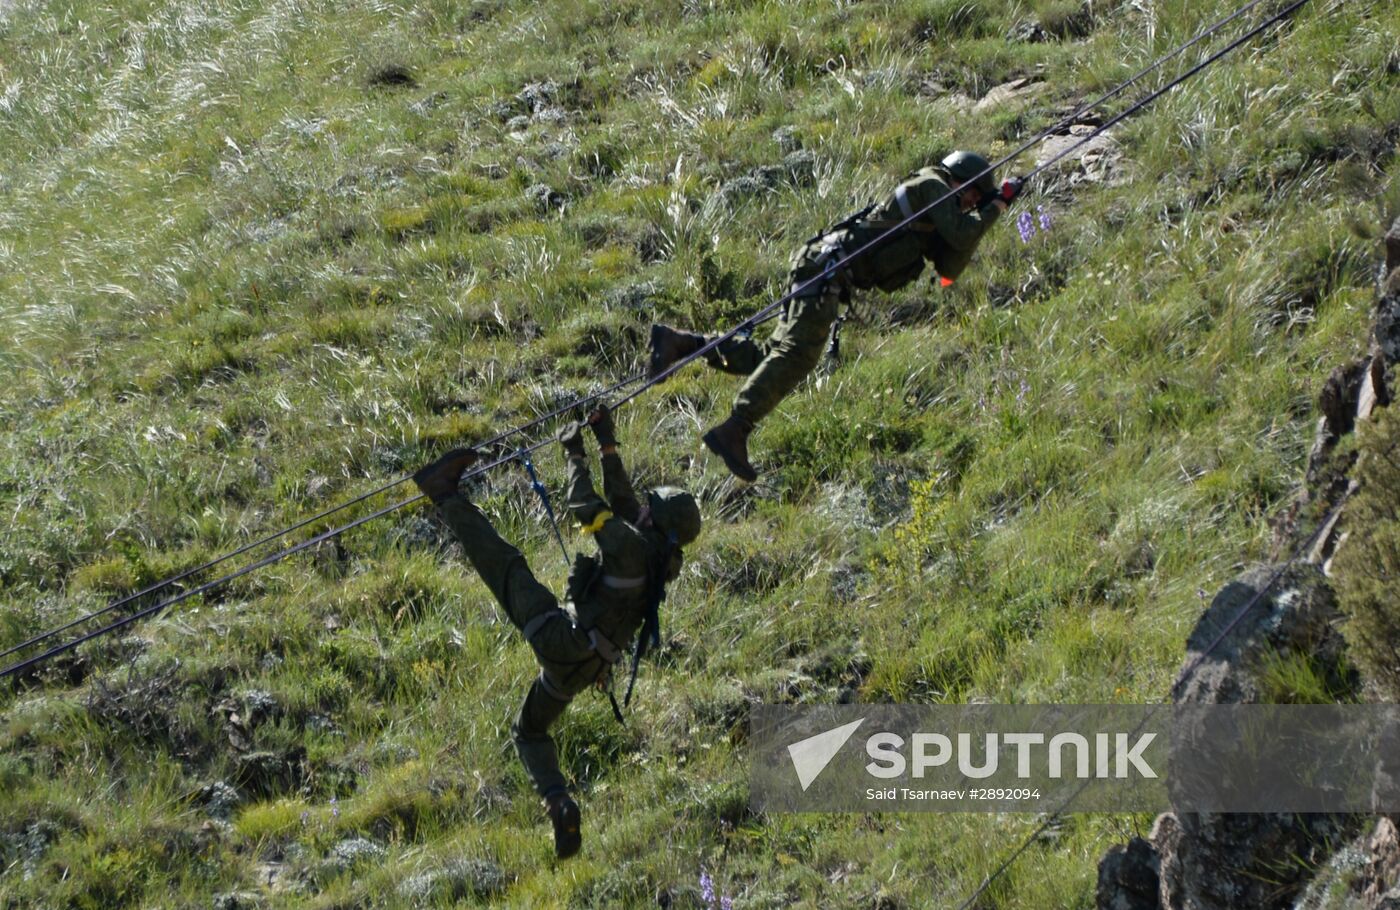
(775, 367)
(568, 662)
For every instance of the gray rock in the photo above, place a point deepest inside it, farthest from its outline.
(1336, 885)
(1386, 328)
(518, 123)
(457, 880)
(537, 96)
(1017, 91)
(237, 900)
(1098, 160)
(259, 706)
(427, 105)
(800, 167)
(544, 196)
(1238, 860)
(219, 799)
(1027, 32)
(1298, 613)
(1338, 399)
(1128, 877)
(1229, 860)
(428, 534)
(788, 139)
(354, 851)
(743, 188)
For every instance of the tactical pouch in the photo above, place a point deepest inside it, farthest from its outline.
(583, 576)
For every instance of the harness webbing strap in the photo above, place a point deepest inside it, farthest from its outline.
(532, 628)
(604, 646)
(901, 196)
(552, 690)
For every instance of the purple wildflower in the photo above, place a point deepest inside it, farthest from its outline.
(335, 809)
(726, 903)
(707, 888)
(1026, 225)
(1021, 395)
(1045, 219)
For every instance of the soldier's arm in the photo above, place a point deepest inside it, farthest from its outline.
(588, 508)
(962, 230)
(617, 487)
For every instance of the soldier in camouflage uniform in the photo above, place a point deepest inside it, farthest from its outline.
(639, 543)
(946, 236)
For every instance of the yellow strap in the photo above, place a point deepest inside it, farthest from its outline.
(597, 522)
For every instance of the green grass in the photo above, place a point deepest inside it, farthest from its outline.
(242, 280)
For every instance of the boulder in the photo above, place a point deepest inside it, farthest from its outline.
(1227, 860)
(1015, 91)
(1097, 160)
(456, 880)
(1128, 877)
(1296, 613)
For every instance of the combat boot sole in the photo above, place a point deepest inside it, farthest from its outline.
(668, 346)
(735, 460)
(438, 479)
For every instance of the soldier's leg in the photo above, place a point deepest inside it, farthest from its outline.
(793, 352)
(738, 356)
(742, 355)
(531, 735)
(501, 566)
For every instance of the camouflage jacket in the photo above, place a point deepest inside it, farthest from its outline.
(628, 567)
(945, 236)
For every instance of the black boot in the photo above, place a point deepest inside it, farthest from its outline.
(438, 480)
(563, 812)
(669, 346)
(730, 441)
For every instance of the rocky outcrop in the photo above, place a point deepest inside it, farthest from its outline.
(1195, 861)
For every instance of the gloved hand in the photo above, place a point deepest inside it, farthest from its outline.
(571, 438)
(1010, 189)
(603, 429)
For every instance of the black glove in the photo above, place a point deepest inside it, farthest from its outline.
(571, 438)
(603, 429)
(1010, 189)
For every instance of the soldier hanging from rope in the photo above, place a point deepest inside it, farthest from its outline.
(615, 596)
(947, 235)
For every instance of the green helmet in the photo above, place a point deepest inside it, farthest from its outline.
(675, 511)
(964, 166)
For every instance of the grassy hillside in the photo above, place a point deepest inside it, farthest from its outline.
(258, 256)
